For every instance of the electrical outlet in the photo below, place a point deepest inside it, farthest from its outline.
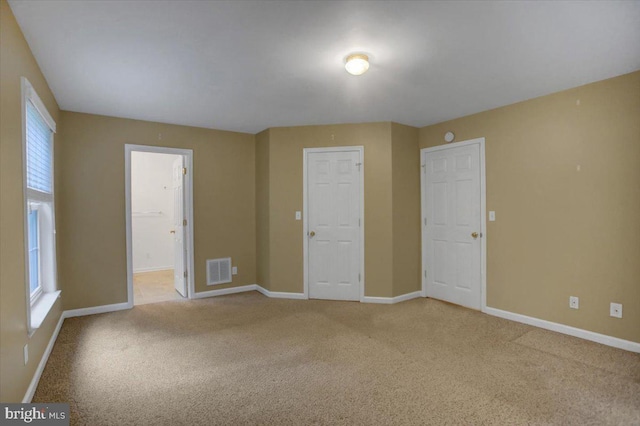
(574, 302)
(26, 354)
(615, 310)
(234, 270)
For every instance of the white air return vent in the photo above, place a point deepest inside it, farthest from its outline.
(218, 271)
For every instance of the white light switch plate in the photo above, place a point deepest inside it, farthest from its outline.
(298, 215)
(234, 270)
(574, 302)
(615, 310)
(492, 216)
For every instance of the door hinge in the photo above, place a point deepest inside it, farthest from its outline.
(358, 166)
(184, 170)
(359, 222)
(359, 277)
(186, 274)
(425, 273)
(425, 221)
(184, 222)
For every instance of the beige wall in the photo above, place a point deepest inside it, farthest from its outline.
(406, 209)
(17, 61)
(559, 231)
(391, 198)
(263, 258)
(285, 198)
(91, 235)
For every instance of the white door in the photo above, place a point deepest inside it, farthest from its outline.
(452, 210)
(179, 268)
(333, 189)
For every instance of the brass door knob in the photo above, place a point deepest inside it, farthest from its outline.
(173, 231)
(312, 234)
(474, 235)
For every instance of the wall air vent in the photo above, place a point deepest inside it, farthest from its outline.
(218, 271)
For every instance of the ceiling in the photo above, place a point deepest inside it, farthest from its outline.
(248, 65)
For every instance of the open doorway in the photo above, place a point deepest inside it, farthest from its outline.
(159, 241)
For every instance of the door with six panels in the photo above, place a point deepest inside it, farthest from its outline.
(334, 224)
(452, 221)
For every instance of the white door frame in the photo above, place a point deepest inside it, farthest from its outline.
(187, 154)
(483, 214)
(305, 212)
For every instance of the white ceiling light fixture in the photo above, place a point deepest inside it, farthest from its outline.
(357, 64)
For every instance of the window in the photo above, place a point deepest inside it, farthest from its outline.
(34, 255)
(39, 129)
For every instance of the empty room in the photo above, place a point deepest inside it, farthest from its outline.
(319, 212)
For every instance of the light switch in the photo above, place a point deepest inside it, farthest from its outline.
(298, 215)
(492, 216)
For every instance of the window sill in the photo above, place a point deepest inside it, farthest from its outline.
(41, 308)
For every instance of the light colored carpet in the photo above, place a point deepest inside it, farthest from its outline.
(247, 359)
(154, 287)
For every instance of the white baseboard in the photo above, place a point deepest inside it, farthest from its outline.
(383, 300)
(249, 287)
(566, 329)
(96, 310)
(222, 292)
(392, 300)
(280, 294)
(299, 296)
(407, 296)
(28, 396)
(153, 269)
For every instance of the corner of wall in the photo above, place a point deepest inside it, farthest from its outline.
(405, 153)
(262, 202)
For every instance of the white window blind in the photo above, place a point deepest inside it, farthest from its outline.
(39, 152)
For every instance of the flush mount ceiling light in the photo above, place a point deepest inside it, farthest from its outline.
(357, 64)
